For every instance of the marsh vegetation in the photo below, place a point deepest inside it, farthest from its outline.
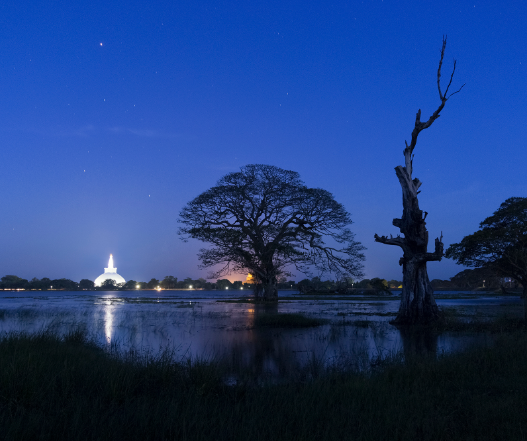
(277, 337)
(114, 367)
(70, 386)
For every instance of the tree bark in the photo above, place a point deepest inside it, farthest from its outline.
(271, 290)
(417, 303)
(266, 288)
(417, 299)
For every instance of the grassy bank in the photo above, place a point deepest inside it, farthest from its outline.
(53, 388)
(454, 321)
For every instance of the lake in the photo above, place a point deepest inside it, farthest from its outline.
(210, 325)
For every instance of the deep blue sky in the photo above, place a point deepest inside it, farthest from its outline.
(115, 114)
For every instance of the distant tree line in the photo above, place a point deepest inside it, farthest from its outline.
(317, 285)
(169, 282)
(466, 280)
(14, 282)
(347, 286)
(477, 278)
(469, 279)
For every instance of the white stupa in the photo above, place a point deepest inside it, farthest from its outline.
(109, 273)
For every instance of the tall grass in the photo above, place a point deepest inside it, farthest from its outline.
(68, 388)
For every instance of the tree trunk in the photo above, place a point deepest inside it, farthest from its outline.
(271, 291)
(417, 299)
(266, 289)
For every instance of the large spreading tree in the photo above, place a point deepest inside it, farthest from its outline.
(417, 300)
(264, 221)
(500, 244)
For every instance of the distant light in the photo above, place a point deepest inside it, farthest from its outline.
(226, 287)
(100, 44)
(190, 286)
(158, 288)
(138, 286)
(241, 287)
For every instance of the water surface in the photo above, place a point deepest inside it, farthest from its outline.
(204, 324)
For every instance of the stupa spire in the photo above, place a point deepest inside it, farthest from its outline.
(111, 268)
(110, 273)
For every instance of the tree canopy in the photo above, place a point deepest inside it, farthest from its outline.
(264, 220)
(86, 284)
(110, 285)
(153, 283)
(477, 278)
(500, 244)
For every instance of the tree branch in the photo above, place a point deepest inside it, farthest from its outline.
(399, 241)
(438, 253)
(419, 126)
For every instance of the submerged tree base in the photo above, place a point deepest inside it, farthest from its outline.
(266, 292)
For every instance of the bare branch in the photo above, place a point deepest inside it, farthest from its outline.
(399, 241)
(419, 126)
(430, 257)
(441, 96)
(459, 90)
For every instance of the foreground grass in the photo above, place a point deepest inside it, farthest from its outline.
(499, 324)
(53, 388)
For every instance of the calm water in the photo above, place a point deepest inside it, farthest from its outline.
(201, 324)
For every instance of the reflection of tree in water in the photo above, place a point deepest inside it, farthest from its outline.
(262, 352)
(260, 308)
(418, 342)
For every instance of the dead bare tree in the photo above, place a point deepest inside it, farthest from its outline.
(417, 299)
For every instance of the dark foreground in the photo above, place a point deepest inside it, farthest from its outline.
(52, 388)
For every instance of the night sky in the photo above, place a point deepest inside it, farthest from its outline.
(113, 115)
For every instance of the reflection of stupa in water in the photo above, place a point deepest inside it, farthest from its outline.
(109, 273)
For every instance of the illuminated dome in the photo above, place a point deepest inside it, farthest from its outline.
(109, 273)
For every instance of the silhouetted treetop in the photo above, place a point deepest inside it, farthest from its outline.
(263, 219)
